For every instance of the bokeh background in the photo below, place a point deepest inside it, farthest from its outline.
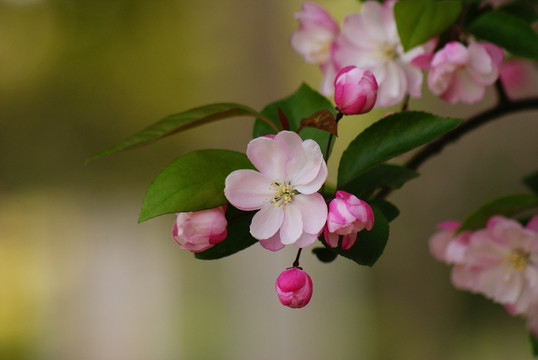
(80, 279)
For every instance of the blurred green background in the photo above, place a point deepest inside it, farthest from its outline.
(80, 279)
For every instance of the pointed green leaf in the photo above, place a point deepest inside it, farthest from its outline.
(383, 175)
(370, 244)
(238, 237)
(192, 182)
(388, 209)
(508, 31)
(511, 205)
(180, 122)
(531, 181)
(324, 254)
(389, 137)
(301, 104)
(420, 20)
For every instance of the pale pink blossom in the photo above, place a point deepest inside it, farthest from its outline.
(355, 90)
(370, 40)
(199, 230)
(347, 216)
(294, 288)
(460, 73)
(314, 38)
(519, 78)
(446, 245)
(284, 190)
(501, 262)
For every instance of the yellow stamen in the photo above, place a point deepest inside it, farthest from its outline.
(517, 259)
(282, 193)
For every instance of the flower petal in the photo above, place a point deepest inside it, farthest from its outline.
(313, 210)
(292, 224)
(305, 240)
(304, 163)
(247, 189)
(273, 243)
(268, 156)
(266, 222)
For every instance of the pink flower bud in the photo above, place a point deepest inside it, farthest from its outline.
(199, 230)
(347, 216)
(355, 90)
(294, 288)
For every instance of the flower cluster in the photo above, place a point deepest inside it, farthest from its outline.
(499, 262)
(291, 211)
(370, 40)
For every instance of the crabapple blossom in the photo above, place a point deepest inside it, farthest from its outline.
(370, 40)
(199, 230)
(355, 90)
(460, 73)
(284, 190)
(347, 216)
(501, 262)
(294, 288)
(519, 78)
(446, 245)
(313, 40)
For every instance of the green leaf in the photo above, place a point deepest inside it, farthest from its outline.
(370, 244)
(301, 104)
(383, 175)
(180, 122)
(523, 9)
(508, 206)
(192, 182)
(508, 31)
(534, 344)
(390, 136)
(238, 237)
(388, 209)
(420, 20)
(531, 181)
(325, 254)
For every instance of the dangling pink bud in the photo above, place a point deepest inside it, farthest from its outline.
(294, 288)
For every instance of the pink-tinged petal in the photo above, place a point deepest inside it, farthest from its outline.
(464, 89)
(348, 241)
(422, 61)
(304, 163)
(356, 24)
(329, 72)
(273, 243)
(464, 277)
(314, 211)
(331, 238)
(452, 225)
(292, 224)
(289, 141)
(519, 78)
(314, 185)
(268, 156)
(314, 15)
(266, 222)
(392, 90)
(456, 249)
(305, 240)
(414, 79)
(533, 224)
(482, 68)
(247, 189)
(453, 52)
